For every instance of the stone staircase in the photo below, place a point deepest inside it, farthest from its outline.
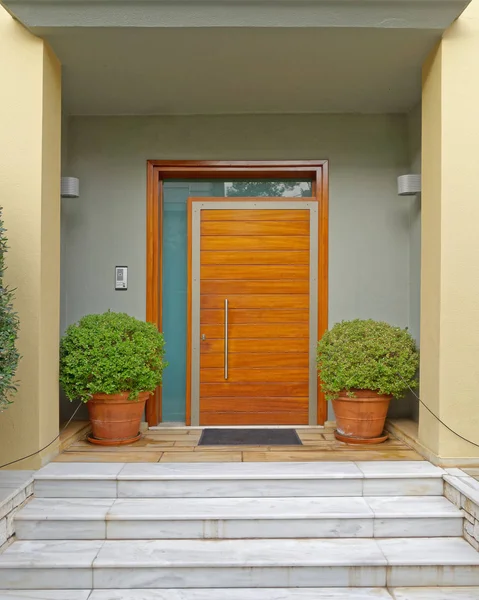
(240, 531)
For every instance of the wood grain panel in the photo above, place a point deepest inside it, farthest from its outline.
(253, 390)
(262, 276)
(321, 188)
(255, 215)
(262, 272)
(254, 315)
(255, 360)
(255, 375)
(270, 301)
(254, 242)
(260, 404)
(276, 345)
(154, 274)
(225, 287)
(259, 228)
(273, 330)
(255, 418)
(255, 257)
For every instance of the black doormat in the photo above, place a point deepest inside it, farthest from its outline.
(249, 437)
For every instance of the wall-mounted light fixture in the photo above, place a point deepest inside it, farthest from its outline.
(409, 185)
(70, 187)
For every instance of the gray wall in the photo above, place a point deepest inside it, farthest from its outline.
(414, 137)
(414, 202)
(370, 265)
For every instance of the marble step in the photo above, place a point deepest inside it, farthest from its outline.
(166, 564)
(226, 518)
(457, 593)
(203, 480)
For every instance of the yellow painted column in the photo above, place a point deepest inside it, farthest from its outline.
(450, 242)
(30, 146)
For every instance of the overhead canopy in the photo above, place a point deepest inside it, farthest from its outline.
(383, 14)
(236, 56)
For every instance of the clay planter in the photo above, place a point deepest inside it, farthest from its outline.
(114, 419)
(360, 420)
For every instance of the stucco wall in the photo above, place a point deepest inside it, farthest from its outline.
(369, 224)
(30, 103)
(450, 253)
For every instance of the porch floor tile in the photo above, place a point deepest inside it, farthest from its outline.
(180, 444)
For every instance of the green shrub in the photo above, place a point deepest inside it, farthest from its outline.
(367, 355)
(109, 354)
(9, 356)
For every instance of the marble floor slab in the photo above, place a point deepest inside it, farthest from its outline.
(79, 471)
(400, 506)
(85, 509)
(6, 494)
(240, 529)
(473, 472)
(431, 593)
(415, 516)
(234, 488)
(325, 470)
(45, 594)
(48, 529)
(76, 488)
(239, 577)
(429, 551)
(48, 564)
(406, 469)
(417, 527)
(232, 508)
(399, 486)
(82, 509)
(239, 553)
(80, 578)
(430, 576)
(15, 479)
(69, 554)
(60, 518)
(245, 594)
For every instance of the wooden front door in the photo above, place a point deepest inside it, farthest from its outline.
(254, 307)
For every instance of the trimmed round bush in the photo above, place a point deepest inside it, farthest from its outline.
(367, 355)
(109, 354)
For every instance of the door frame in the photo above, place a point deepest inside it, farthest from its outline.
(160, 170)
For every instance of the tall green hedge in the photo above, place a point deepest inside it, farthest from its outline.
(9, 356)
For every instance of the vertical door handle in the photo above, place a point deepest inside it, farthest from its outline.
(226, 339)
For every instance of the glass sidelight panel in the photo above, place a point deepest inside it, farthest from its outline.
(174, 265)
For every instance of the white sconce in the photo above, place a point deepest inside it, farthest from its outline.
(409, 185)
(69, 187)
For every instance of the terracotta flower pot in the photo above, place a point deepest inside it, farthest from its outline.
(114, 419)
(361, 419)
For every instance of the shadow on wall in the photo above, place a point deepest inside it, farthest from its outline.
(67, 409)
(404, 408)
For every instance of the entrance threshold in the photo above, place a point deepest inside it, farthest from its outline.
(179, 444)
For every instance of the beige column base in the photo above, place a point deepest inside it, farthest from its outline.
(407, 431)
